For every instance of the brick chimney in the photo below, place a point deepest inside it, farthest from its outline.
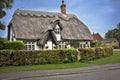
(63, 8)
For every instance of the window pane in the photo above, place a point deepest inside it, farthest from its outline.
(29, 42)
(28, 47)
(32, 42)
(33, 47)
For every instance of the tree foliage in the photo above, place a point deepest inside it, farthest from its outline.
(4, 4)
(114, 33)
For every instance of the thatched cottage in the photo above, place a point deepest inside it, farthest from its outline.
(48, 30)
(112, 42)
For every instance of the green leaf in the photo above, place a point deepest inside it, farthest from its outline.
(2, 14)
(2, 26)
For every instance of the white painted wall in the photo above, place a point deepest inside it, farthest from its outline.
(49, 45)
(36, 46)
(58, 36)
(12, 35)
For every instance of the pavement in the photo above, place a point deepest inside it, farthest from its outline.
(44, 73)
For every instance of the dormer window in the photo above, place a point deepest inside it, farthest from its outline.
(57, 32)
(57, 29)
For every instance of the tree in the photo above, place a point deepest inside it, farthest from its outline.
(118, 26)
(114, 33)
(4, 4)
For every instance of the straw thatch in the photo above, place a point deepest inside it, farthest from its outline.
(36, 25)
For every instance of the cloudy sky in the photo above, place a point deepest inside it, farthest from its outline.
(99, 15)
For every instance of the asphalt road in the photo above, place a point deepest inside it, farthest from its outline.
(104, 72)
(99, 75)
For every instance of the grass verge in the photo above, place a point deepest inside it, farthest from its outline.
(115, 58)
(42, 67)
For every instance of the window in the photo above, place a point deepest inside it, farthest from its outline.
(30, 45)
(57, 29)
(57, 32)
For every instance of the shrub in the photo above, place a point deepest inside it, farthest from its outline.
(95, 53)
(2, 43)
(16, 45)
(23, 57)
(87, 54)
(5, 57)
(108, 51)
(6, 45)
(70, 56)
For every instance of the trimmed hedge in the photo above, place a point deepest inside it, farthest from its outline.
(22, 57)
(95, 53)
(15, 45)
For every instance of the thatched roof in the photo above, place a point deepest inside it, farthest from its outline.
(109, 40)
(35, 25)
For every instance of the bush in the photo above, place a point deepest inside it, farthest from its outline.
(5, 57)
(87, 54)
(2, 43)
(6, 45)
(16, 45)
(108, 51)
(69, 56)
(95, 53)
(23, 57)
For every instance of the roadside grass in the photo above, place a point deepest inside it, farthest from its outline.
(115, 58)
(116, 49)
(42, 67)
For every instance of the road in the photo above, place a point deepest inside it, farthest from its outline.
(104, 72)
(99, 75)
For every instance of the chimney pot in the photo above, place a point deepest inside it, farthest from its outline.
(63, 8)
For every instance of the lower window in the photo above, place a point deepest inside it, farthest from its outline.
(30, 45)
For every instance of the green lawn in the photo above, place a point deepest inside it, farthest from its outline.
(116, 49)
(115, 58)
(42, 67)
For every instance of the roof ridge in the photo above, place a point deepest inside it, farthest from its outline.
(46, 12)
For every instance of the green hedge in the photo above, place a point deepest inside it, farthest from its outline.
(15, 45)
(22, 57)
(95, 53)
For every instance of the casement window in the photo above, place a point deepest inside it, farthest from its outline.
(57, 29)
(30, 45)
(84, 44)
(57, 32)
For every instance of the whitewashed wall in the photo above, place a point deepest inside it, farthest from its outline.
(36, 46)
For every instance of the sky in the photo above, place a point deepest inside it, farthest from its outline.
(99, 15)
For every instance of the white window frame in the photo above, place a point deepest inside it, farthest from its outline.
(30, 45)
(57, 29)
(57, 32)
